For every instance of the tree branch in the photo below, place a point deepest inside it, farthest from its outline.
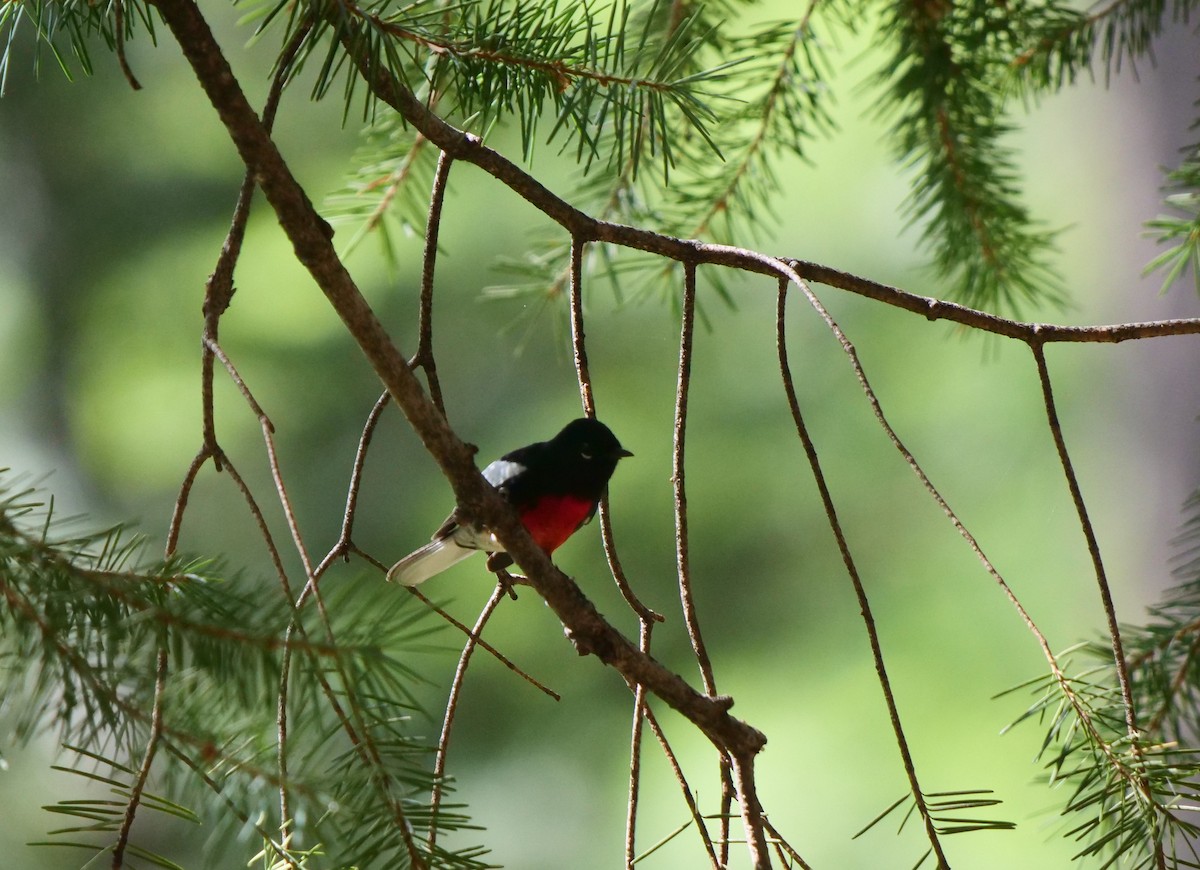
(311, 243)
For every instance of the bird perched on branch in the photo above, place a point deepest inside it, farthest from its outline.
(554, 486)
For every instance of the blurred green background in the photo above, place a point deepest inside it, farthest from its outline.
(115, 206)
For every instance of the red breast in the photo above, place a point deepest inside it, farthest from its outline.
(554, 518)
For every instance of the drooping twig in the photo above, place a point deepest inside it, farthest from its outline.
(635, 755)
(578, 335)
(860, 591)
(587, 396)
(1089, 534)
(687, 598)
(424, 355)
(1110, 612)
(478, 640)
(181, 501)
(345, 542)
(143, 774)
(119, 33)
(219, 289)
(647, 617)
(460, 673)
(688, 797)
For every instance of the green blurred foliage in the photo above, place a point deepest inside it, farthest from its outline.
(119, 203)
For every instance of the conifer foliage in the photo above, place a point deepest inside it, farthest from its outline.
(287, 717)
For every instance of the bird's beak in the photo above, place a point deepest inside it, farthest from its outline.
(624, 453)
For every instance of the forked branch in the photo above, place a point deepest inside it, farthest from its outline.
(308, 233)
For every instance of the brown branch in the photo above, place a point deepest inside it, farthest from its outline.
(678, 482)
(469, 148)
(460, 674)
(181, 500)
(860, 591)
(1110, 613)
(344, 544)
(476, 638)
(635, 754)
(684, 788)
(424, 355)
(587, 396)
(119, 40)
(687, 598)
(307, 232)
(143, 774)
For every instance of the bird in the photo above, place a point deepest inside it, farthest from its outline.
(554, 486)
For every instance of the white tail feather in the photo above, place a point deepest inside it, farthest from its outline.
(434, 558)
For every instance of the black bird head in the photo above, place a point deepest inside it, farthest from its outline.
(590, 440)
(586, 453)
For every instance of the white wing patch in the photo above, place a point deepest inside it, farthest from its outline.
(502, 470)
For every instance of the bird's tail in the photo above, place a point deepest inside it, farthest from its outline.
(434, 558)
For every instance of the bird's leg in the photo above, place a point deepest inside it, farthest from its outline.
(498, 564)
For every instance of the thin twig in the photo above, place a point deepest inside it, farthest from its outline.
(460, 673)
(687, 598)
(119, 31)
(635, 754)
(646, 617)
(139, 784)
(263, 420)
(264, 530)
(424, 355)
(1089, 534)
(1110, 612)
(784, 846)
(345, 541)
(219, 289)
(587, 396)
(476, 638)
(181, 501)
(860, 591)
(684, 788)
(578, 342)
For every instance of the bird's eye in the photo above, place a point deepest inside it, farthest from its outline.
(586, 454)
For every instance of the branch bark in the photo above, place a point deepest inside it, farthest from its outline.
(584, 228)
(312, 246)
